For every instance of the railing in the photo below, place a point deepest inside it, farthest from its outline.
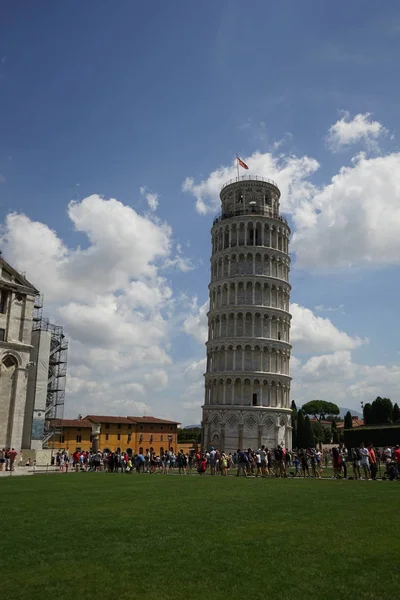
(249, 178)
(250, 210)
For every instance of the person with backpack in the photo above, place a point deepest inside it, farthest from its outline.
(242, 463)
(182, 462)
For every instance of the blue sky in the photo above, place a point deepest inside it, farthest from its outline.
(99, 100)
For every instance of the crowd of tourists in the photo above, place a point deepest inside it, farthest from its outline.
(358, 463)
(122, 462)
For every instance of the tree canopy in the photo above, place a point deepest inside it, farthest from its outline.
(367, 413)
(300, 434)
(320, 409)
(294, 424)
(309, 439)
(396, 413)
(335, 433)
(380, 412)
(189, 435)
(348, 421)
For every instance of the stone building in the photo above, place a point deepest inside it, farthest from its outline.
(17, 298)
(129, 434)
(247, 382)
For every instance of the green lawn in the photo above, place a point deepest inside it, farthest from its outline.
(104, 536)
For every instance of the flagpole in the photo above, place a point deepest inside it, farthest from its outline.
(237, 165)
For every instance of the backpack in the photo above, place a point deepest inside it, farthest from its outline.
(243, 458)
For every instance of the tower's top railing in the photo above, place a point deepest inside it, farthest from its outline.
(249, 178)
(249, 211)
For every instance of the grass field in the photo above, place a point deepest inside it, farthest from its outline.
(98, 537)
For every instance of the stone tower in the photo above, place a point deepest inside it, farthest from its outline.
(247, 383)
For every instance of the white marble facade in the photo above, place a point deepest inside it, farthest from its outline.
(17, 297)
(247, 383)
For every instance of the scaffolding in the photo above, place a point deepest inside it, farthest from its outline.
(57, 371)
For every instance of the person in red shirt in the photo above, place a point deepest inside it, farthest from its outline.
(12, 454)
(372, 461)
(202, 468)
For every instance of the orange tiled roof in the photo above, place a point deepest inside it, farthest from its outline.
(356, 423)
(71, 423)
(148, 419)
(108, 419)
(323, 422)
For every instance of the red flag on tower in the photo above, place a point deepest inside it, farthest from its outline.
(241, 163)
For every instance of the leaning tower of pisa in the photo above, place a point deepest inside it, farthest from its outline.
(247, 383)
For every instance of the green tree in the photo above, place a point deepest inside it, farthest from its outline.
(320, 409)
(300, 429)
(367, 414)
(309, 439)
(348, 421)
(318, 431)
(396, 413)
(334, 431)
(381, 411)
(189, 435)
(327, 439)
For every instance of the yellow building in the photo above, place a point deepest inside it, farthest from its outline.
(132, 434)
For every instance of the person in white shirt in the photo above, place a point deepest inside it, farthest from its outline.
(263, 459)
(365, 461)
(213, 460)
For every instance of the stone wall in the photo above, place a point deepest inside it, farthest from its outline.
(16, 321)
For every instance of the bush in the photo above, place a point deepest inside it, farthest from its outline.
(378, 436)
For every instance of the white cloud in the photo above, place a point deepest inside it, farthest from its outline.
(122, 245)
(157, 379)
(151, 198)
(310, 333)
(322, 308)
(347, 131)
(355, 219)
(195, 369)
(337, 378)
(196, 323)
(135, 388)
(118, 311)
(377, 380)
(290, 172)
(330, 367)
